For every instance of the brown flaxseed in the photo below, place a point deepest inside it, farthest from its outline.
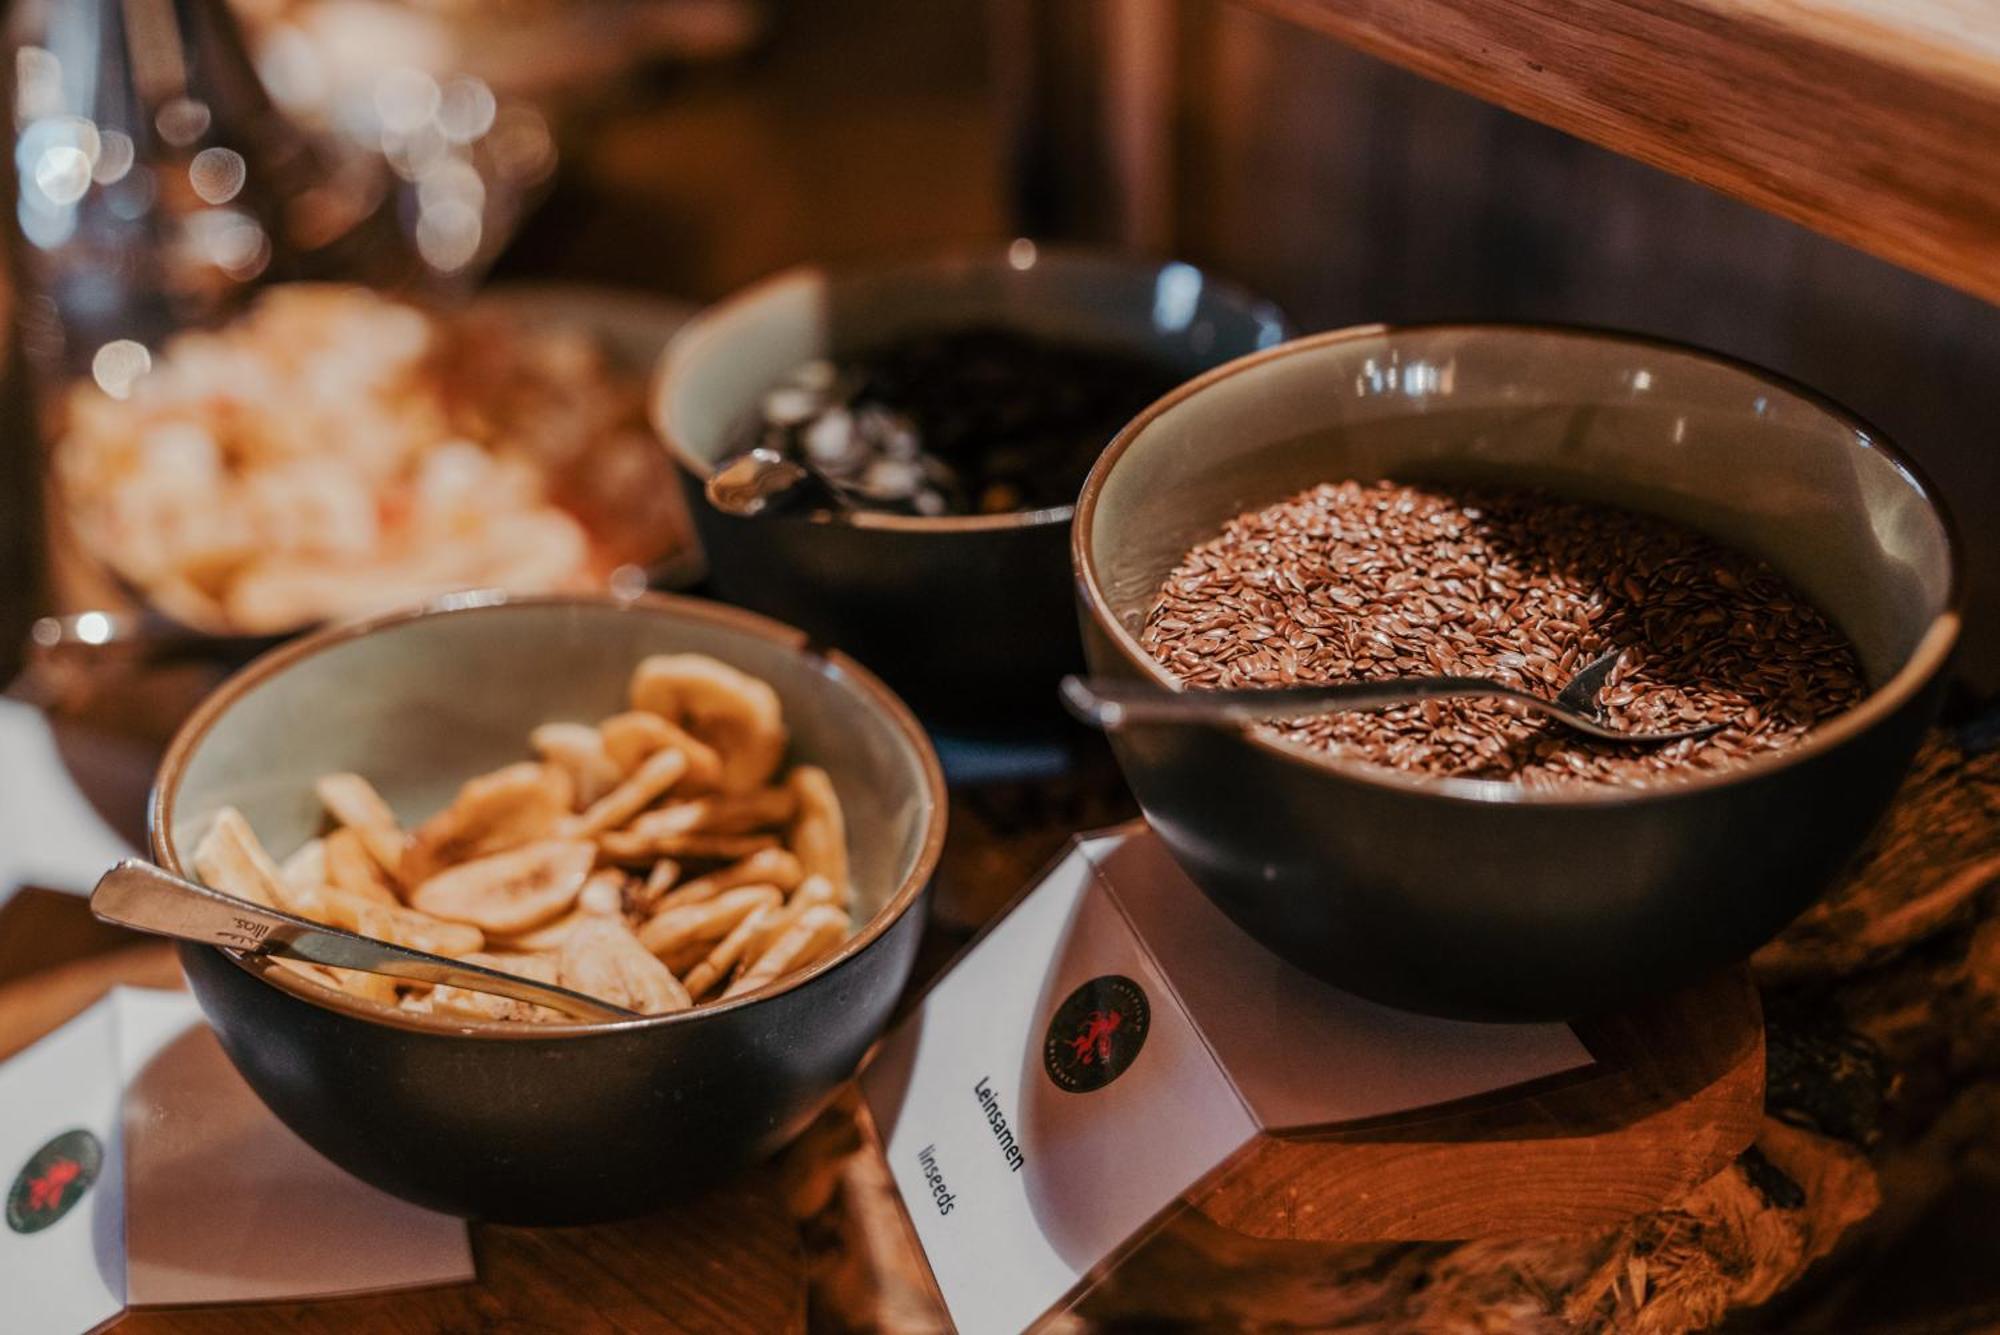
(1354, 581)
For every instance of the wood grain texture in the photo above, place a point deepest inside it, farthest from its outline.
(36, 1005)
(1677, 1092)
(732, 1261)
(1871, 122)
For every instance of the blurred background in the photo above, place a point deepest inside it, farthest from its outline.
(685, 147)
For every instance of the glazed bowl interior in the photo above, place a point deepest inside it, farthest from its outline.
(418, 703)
(718, 367)
(1754, 461)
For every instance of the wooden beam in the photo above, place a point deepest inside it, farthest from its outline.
(1875, 122)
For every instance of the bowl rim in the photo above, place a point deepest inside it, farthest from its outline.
(938, 262)
(173, 765)
(1924, 661)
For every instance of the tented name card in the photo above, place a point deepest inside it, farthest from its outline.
(1108, 1045)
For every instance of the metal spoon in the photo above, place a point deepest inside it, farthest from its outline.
(763, 481)
(1111, 704)
(141, 896)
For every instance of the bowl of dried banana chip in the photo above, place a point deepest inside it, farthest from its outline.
(675, 807)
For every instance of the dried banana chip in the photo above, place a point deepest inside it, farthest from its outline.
(603, 893)
(715, 966)
(516, 805)
(631, 848)
(549, 936)
(602, 896)
(630, 737)
(351, 870)
(603, 959)
(367, 986)
(641, 902)
(487, 1006)
(813, 892)
(672, 929)
(683, 956)
(578, 749)
(538, 966)
(656, 774)
(817, 932)
(305, 869)
(676, 818)
(396, 925)
(230, 859)
(770, 866)
(312, 973)
(819, 833)
(761, 810)
(354, 982)
(730, 710)
(353, 801)
(513, 891)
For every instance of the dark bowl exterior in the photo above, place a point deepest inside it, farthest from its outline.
(1500, 910)
(972, 627)
(565, 1130)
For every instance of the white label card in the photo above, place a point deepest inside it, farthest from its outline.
(1046, 1101)
(62, 1245)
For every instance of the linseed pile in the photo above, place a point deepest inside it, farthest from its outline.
(1358, 581)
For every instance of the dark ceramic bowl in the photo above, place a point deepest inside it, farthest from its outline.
(1477, 898)
(969, 616)
(529, 1123)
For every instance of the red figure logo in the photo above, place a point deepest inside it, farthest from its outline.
(1093, 1040)
(46, 1192)
(1096, 1034)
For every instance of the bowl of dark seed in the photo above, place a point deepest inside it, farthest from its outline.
(1512, 503)
(928, 425)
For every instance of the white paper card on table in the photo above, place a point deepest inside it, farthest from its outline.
(225, 1204)
(1018, 1188)
(1108, 1044)
(50, 833)
(62, 1264)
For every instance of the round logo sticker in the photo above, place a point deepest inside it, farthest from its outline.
(53, 1180)
(1096, 1034)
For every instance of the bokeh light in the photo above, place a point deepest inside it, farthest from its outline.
(217, 174)
(118, 365)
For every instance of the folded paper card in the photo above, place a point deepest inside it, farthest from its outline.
(200, 1195)
(62, 1254)
(1107, 1046)
(58, 773)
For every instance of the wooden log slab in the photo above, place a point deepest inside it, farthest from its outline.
(1676, 1093)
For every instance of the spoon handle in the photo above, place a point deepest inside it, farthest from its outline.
(142, 896)
(1114, 703)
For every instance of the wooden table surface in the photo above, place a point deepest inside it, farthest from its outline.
(1865, 1202)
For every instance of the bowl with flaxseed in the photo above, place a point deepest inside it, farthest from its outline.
(1512, 502)
(944, 409)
